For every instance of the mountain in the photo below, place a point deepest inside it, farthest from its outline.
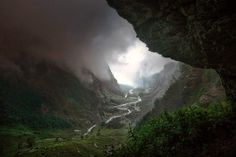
(176, 86)
(193, 86)
(154, 87)
(40, 94)
(192, 118)
(160, 82)
(112, 84)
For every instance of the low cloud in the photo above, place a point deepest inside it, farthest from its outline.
(76, 33)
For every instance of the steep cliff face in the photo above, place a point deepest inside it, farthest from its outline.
(112, 85)
(198, 32)
(194, 86)
(160, 82)
(102, 88)
(179, 85)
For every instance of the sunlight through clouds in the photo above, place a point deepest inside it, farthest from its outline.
(137, 61)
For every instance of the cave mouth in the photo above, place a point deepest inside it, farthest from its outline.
(77, 79)
(198, 33)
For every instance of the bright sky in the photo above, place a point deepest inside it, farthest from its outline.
(136, 61)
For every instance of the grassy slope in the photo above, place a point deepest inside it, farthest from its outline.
(41, 99)
(14, 139)
(67, 104)
(46, 142)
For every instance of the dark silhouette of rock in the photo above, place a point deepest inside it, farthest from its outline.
(198, 32)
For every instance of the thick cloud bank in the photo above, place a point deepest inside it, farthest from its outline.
(75, 33)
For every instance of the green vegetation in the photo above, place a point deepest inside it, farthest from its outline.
(38, 118)
(20, 104)
(25, 142)
(39, 112)
(186, 132)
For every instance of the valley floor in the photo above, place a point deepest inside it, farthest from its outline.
(22, 142)
(98, 140)
(195, 130)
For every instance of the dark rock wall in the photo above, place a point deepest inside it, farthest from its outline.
(198, 32)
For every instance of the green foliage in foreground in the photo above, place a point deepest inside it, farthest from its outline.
(25, 142)
(180, 133)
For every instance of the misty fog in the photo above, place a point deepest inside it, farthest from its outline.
(77, 34)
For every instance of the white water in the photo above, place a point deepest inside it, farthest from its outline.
(118, 116)
(125, 107)
(90, 129)
(122, 107)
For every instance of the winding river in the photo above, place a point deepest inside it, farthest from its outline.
(129, 107)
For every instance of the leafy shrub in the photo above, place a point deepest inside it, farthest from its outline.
(179, 133)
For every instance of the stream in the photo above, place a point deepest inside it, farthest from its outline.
(129, 107)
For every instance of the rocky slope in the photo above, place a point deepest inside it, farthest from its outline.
(194, 86)
(198, 32)
(160, 82)
(179, 85)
